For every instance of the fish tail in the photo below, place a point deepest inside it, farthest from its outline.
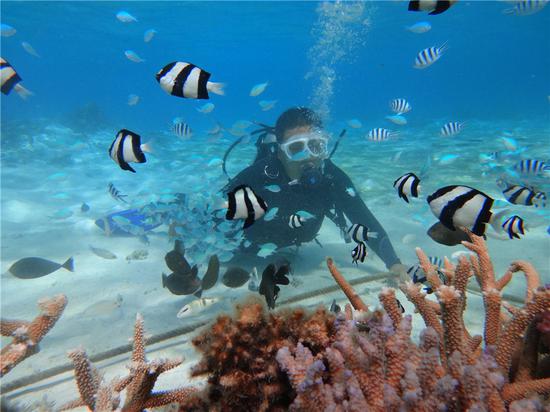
(148, 147)
(22, 92)
(69, 264)
(216, 88)
(444, 47)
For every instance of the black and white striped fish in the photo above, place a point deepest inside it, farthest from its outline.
(359, 253)
(380, 135)
(360, 233)
(400, 306)
(295, 221)
(526, 7)
(245, 204)
(514, 227)
(183, 79)
(407, 185)
(127, 148)
(433, 6)
(115, 193)
(456, 206)
(181, 129)
(10, 80)
(400, 106)
(451, 129)
(521, 195)
(418, 276)
(531, 167)
(429, 56)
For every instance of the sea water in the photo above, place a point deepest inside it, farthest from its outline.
(346, 60)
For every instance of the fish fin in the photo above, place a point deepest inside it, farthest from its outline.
(198, 293)
(69, 264)
(216, 88)
(442, 49)
(248, 222)
(440, 7)
(164, 278)
(414, 5)
(22, 92)
(148, 147)
(126, 166)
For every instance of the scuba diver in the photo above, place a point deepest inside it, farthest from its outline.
(293, 172)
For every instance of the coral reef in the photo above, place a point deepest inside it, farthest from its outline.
(384, 370)
(27, 335)
(239, 355)
(98, 395)
(367, 361)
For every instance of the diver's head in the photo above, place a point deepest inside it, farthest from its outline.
(303, 145)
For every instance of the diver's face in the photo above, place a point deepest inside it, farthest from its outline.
(295, 168)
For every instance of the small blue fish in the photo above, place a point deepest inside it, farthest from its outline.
(206, 108)
(125, 17)
(270, 215)
(273, 188)
(447, 159)
(267, 249)
(133, 56)
(6, 30)
(148, 35)
(420, 27)
(355, 123)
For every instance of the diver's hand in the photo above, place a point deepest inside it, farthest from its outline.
(399, 270)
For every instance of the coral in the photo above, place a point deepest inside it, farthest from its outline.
(384, 370)
(238, 355)
(27, 335)
(98, 395)
(291, 360)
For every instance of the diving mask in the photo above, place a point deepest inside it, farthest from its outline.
(306, 146)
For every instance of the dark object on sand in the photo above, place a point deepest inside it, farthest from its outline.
(271, 277)
(235, 277)
(35, 267)
(211, 276)
(446, 236)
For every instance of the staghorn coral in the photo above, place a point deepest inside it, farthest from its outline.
(239, 355)
(27, 335)
(383, 370)
(98, 395)
(370, 363)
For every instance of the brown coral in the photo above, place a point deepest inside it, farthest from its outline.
(239, 355)
(27, 335)
(98, 395)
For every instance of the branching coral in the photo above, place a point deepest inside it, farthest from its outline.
(370, 363)
(27, 335)
(239, 355)
(98, 395)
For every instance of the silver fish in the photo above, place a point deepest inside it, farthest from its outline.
(103, 253)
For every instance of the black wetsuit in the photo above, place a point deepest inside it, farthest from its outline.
(328, 197)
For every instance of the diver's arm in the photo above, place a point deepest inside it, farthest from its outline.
(357, 212)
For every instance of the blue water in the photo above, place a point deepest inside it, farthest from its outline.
(347, 61)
